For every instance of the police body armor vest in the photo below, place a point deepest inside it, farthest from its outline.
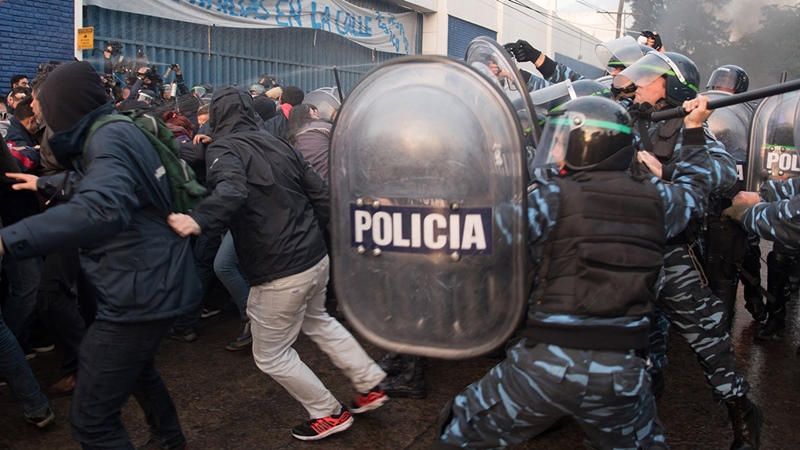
(604, 255)
(664, 141)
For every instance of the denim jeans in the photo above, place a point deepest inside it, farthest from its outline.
(279, 310)
(23, 282)
(115, 361)
(16, 371)
(226, 266)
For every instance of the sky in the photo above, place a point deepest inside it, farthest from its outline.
(574, 6)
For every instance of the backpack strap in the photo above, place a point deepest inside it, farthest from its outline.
(102, 120)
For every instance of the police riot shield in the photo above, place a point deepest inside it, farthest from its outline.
(326, 99)
(492, 60)
(428, 218)
(773, 154)
(731, 126)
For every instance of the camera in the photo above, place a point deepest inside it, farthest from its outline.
(113, 47)
(268, 81)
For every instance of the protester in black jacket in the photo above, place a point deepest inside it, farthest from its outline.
(276, 205)
(142, 275)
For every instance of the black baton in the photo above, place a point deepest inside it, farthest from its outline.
(735, 99)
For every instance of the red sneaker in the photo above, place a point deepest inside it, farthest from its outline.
(316, 429)
(369, 401)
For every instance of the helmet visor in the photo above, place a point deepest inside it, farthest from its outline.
(554, 142)
(552, 97)
(646, 70)
(723, 79)
(619, 53)
(560, 128)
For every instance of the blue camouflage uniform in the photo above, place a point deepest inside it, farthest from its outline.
(552, 73)
(604, 387)
(686, 300)
(775, 219)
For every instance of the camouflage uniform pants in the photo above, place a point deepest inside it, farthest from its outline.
(699, 316)
(606, 392)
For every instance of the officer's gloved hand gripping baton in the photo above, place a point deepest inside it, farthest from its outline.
(755, 94)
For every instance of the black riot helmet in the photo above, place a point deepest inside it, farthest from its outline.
(681, 74)
(728, 78)
(587, 134)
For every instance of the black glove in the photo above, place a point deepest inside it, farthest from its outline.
(655, 37)
(735, 212)
(523, 51)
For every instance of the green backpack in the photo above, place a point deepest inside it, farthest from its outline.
(186, 191)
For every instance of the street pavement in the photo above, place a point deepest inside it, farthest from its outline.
(225, 402)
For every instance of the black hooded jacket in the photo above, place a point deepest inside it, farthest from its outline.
(273, 200)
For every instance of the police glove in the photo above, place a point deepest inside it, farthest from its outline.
(735, 213)
(523, 51)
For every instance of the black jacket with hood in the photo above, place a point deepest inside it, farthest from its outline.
(271, 197)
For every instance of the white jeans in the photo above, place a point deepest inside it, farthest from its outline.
(278, 311)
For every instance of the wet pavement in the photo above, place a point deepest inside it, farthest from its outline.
(225, 402)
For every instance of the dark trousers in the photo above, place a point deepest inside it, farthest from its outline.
(117, 360)
(23, 281)
(57, 305)
(205, 250)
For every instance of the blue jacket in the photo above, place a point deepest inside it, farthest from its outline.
(138, 268)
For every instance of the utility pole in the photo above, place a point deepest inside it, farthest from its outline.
(619, 18)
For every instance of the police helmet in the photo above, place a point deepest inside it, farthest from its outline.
(680, 72)
(587, 134)
(620, 53)
(729, 78)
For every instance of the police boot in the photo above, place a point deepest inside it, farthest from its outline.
(776, 322)
(751, 280)
(755, 306)
(778, 266)
(794, 275)
(410, 383)
(746, 419)
(391, 363)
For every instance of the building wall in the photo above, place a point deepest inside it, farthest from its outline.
(225, 56)
(461, 33)
(34, 31)
(49, 29)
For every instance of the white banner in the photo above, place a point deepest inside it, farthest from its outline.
(383, 31)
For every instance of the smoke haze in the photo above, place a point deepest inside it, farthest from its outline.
(744, 15)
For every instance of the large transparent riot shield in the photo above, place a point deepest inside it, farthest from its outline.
(773, 153)
(428, 209)
(731, 126)
(493, 61)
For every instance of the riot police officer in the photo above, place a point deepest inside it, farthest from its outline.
(730, 253)
(664, 80)
(771, 214)
(588, 315)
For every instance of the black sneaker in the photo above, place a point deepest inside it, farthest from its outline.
(187, 335)
(316, 429)
(44, 348)
(41, 421)
(208, 312)
(243, 340)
